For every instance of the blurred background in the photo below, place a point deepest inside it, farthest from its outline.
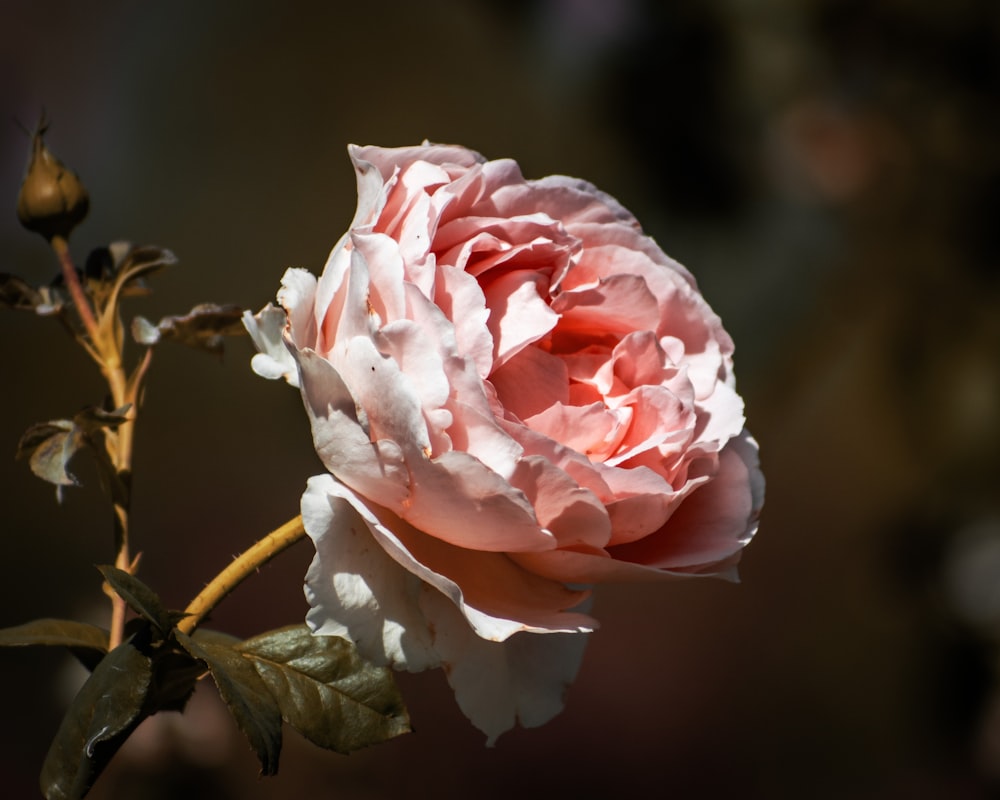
(829, 170)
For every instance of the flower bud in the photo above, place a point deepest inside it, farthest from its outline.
(52, 200)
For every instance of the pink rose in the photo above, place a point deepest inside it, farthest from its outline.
(517, 394)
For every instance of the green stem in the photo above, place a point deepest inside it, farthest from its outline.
(242, 567)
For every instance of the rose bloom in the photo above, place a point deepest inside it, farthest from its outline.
(517, 395)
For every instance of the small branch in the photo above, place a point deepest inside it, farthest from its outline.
(239, 570)
(133, 387)
(80, 301)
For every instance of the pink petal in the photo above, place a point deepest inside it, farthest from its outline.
(639, 360)
(518, 313)
(569, 200)
(385, 296)
(640, 252)
(415, 353)
(407, 200)
(615, 307)
(531, 382)
(578, 467)
(589, 567)
(475, 429)
(573, 514)
(387, 397)
(713, 523)
(460, 300)
(329, 302)
(472, 190)
(341, 435)
(458, 499)
(704, 535)
(388, 159)
(371, 438)
(356, 314)
(659, 418)
(643, 502)
(592, 366)
(371, 185)
(593, 430)
(720, 415)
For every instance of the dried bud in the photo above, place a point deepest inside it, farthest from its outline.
(52, 201)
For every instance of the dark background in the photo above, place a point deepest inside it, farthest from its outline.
(828, 170)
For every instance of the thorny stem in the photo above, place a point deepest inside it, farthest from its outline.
(242, 567)
(123, 392)
(122, 561)
(118, 608)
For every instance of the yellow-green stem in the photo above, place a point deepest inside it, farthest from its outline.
(106, 349)
(121, 456)
(117, 627)
(242, 567)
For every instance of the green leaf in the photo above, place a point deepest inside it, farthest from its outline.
(207, 635)
(106, 710)
(139, 597)
(325, 690)
(64, 632)
(87, 642)
(175, 673)
(256, 711)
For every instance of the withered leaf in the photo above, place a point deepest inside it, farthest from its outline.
(18, 294)
(203, 327)
(50, 446)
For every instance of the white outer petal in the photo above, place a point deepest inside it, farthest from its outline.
(273, 360)
(359, 592)
(319, 523)
(356, 591)
(523, 679)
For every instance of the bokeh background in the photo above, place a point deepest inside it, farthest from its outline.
(829, 170)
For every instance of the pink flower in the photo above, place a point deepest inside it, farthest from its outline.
(517, 394)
